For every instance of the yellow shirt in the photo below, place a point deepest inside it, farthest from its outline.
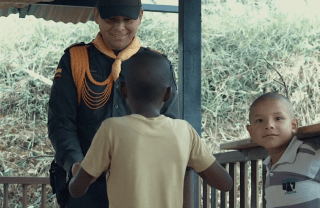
(147, 160)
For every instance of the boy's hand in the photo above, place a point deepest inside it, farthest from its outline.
(80, 182)
(75, 168)
(217, 177)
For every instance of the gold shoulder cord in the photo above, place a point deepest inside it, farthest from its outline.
(80, 68)
(154, 50)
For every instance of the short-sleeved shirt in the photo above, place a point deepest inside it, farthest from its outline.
(71, 127)
(294, 181)
(147, 160)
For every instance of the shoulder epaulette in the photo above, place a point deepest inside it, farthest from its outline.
(151, 49)
(75, 44)
(79, 64)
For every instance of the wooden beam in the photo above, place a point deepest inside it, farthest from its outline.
(91, 4)
(24, 180)
(256, 153)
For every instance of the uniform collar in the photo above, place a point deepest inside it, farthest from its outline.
(94, 51)
(289, 156)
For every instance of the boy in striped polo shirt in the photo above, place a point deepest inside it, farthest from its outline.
(293, 167)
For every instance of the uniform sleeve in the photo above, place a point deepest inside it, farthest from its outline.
(98, 157)
(171, 108)
(62, 116)
(200, 157)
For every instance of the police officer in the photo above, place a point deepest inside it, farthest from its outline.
(86, 91)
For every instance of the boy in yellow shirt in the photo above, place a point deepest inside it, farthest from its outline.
(147, 153)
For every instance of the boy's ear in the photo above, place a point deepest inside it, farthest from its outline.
(140, 16)
(249, 129)
(96, 15)
(167, 95)
(295, 125)
(123, 90)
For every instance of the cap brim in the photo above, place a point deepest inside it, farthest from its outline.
(111, 11)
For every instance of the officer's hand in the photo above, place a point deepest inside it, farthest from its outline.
(75, 168)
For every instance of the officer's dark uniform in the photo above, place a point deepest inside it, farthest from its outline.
(72, 126)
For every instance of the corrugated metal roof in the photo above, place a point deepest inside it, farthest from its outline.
(7, 12)
(56, 13)
(66, 13)
(6, 4)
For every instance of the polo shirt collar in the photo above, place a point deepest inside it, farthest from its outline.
(289, 156)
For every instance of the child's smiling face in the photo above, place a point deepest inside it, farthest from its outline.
(272, 125)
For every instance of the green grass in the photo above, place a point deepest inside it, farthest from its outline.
(235, 45)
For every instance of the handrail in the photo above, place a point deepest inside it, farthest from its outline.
(247, 150)
(209, 195)
(231, 159)
(226, 158)
(25, 181)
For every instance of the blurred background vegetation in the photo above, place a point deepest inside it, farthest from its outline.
(238, 37)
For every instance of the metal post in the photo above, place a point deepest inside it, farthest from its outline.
(190, 81)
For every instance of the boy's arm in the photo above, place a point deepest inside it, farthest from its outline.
(80, 183)
(96, 161)
(217, 177)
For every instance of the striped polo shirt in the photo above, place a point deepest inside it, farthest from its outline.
(294, 181)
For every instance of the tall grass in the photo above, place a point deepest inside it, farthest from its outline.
(235, 73)
(235, 45)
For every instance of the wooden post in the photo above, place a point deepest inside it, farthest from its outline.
(190, 82)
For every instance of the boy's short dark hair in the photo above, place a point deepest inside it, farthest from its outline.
(148, 75)
(271, 96)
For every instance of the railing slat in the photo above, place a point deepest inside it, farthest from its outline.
(214, 203)
(199, 192)
(264, 172)
(24, 196)
(206, 196)
(232, 192)
(223, 203)
(243, 184)
(5, 197)
(254, 184)
(43, 196)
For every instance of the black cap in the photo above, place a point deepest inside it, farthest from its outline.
(112, 8)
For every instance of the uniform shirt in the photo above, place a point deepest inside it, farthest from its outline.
(147, 159)
(294, 181)
(71, 126)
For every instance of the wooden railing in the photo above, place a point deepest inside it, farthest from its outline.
(209, 195)
(239, 197)
(24, 181)
(244, 151)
